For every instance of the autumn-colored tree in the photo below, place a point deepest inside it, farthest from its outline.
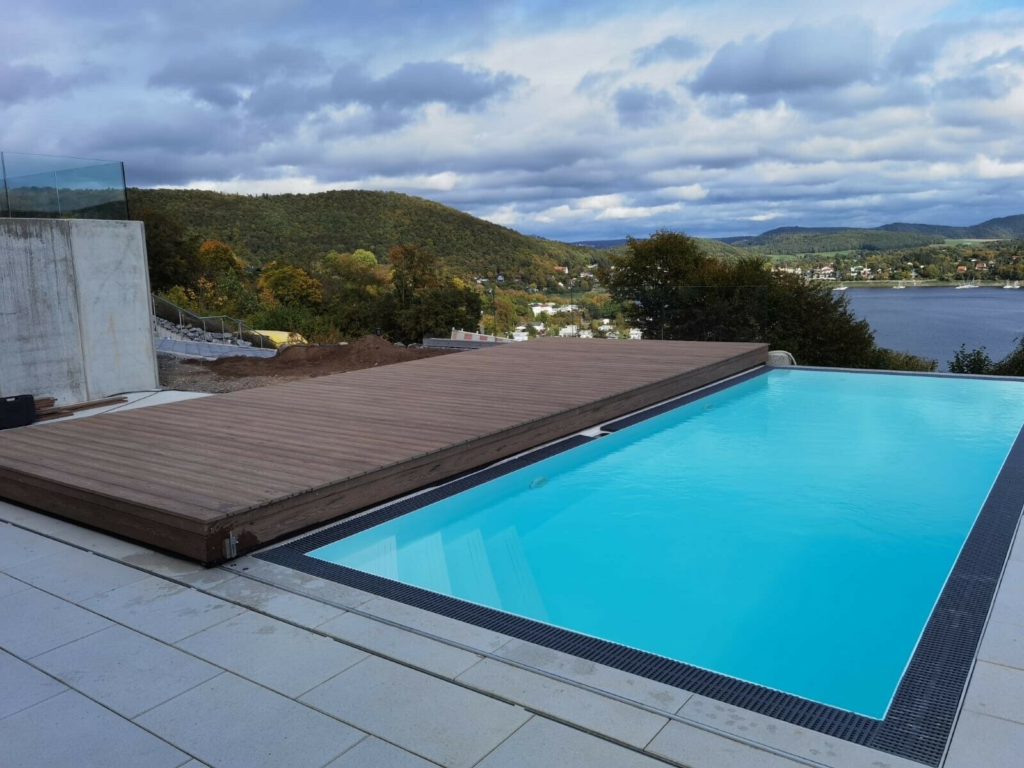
(290, 285)
(504, 315)
(216, 258)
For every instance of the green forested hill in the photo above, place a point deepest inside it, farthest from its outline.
(789, 241)
(302, 228)
(1006, 228)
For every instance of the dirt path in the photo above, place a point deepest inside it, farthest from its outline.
(230, 374)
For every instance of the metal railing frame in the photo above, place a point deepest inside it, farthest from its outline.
(195, 319)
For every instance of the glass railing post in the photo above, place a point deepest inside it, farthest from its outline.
(7, 193)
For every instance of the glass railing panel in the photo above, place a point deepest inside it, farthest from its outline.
(42, 186)
(33, 196)
(93, 192)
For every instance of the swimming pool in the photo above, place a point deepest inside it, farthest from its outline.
(793, 530)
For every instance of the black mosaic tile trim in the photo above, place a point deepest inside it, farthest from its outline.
(924, 708)
(679, 402)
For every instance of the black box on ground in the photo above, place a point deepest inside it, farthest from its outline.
(17, 411)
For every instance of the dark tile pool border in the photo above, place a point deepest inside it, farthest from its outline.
(921, 717)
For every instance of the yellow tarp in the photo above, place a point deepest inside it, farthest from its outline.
(283, 337)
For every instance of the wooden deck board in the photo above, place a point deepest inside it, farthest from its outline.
(267, 462)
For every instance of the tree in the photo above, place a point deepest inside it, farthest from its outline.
(427, 301)
(290, 285)
(357, 292)
(669, 288)
(216, 258)
(171, 252)
(504, 315)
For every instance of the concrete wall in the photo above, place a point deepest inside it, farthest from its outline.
(75, 317)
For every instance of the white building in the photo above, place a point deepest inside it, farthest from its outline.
(586, 333)
(520, 336)
(567, 330)
(635, 333)
(547, 308)
(605, 326)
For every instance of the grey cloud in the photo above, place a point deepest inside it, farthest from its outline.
(391, 99)
(28, 82)
(426, 82)
(672, 48)
(597, 80)
(641, 106)
(215, 77)
(916, 50)
(987, 78)
(793, 59)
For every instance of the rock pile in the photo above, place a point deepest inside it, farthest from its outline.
(168, 330)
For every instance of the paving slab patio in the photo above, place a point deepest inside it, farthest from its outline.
(162, 609)
(274, 654)
(274, 601)
(72, 730)
(234, 723)
(401, 645)
(33, 622)
(124, 670)
(434, 719)
(564, 701)
(545, 742)
(371, 752)
(997, 691)
(23, 686)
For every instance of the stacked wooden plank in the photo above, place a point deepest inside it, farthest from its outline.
(213, 476)
(47, 408)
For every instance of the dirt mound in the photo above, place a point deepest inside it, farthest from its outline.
(308, 361)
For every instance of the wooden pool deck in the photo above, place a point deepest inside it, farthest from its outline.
(217, 476)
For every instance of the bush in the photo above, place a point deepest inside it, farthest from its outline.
(891, 360)
(975, 361)
(314, 327)
(978, 362)
(1013, 363)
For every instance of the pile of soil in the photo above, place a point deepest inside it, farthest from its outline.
(296, 362)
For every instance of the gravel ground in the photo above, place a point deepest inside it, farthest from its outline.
(189, 376)
(230, 374)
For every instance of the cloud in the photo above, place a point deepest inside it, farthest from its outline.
(687, 192)
(793, 60)
(218, 77)
(640, 106)
(671, 48)
(415, 84)
(916, 50)
(29, 82)
(387, 102)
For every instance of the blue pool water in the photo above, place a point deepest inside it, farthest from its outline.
(793, 530)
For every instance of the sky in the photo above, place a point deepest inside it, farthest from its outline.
(569, 120)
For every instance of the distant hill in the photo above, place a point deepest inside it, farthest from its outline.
(301, 228)
(811, 241)
(1006, 228)
(784, 240)
(716, 247)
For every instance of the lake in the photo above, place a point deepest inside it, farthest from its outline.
(934, 322)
